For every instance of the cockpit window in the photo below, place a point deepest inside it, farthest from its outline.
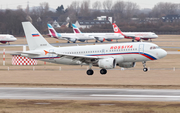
(154, 47)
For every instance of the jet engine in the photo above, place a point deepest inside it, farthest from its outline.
(81, 40)
(73, 40)
(138, 38)
(101, 39)
(108, 63)
(109, 40)
(91, 37)
(127, 64)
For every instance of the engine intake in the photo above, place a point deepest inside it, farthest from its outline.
(108, 63)
(73, 40)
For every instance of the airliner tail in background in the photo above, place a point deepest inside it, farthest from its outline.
(52, 32)
(76, 29)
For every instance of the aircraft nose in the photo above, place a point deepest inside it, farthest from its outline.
(156, 36)
(162, 53)
(15, 38)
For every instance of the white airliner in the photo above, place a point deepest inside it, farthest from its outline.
(69, 36)
(106, 56)
(135, 35)
(100, 36)
(7, 38)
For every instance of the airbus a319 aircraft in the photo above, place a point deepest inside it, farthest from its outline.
(135, 35)
(100, 36)
(7, 38)
(106, 56)
(70, 37)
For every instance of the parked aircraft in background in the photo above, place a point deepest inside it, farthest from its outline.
(106, 56)
(100, 36)
(135, 35)
(7, 38)
(69, 36)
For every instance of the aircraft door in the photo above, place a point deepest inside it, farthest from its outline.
(51, 56)
(141, 48)
(103, 51)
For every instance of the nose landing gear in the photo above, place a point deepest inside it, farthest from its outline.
(144, 65)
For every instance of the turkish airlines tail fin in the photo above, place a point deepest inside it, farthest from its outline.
(34, 39)
(116, 29)
(52, 32)
(76, 29)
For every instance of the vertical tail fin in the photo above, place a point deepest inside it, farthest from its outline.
(116, 29)
(52, 32)
(34, 39)
(75, 29)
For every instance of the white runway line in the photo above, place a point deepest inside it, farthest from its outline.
(140, 96)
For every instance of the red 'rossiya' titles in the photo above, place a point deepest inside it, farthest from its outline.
(122, 47)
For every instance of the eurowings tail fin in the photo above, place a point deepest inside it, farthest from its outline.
(52, 32)
(76, 29)
(116, 29)
(34, 39)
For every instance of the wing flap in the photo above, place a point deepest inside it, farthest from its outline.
(86, 59)
(30, 53)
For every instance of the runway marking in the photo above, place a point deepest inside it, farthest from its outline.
(150, 96)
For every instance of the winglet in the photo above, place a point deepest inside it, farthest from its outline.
(46, 52)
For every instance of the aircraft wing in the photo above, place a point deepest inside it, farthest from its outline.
(98, 37)
(70, 38)
(82, 58)
(31, 53)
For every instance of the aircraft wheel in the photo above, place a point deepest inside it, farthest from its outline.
(145, 69)
(90, 72)
(68, 42)
(103, 71)
(132, 40)
(96, 41)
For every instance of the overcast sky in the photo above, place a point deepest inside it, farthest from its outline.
(12, 4)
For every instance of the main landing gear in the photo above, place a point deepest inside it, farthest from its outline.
(91, 72)
(144, 65)
(103, 71)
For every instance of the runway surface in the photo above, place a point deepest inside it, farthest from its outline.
(90, 94)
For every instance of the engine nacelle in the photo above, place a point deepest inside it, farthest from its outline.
(108, 63)
(138, 38)
(73, 40)
(3, 42)
(109, 40)
(101, 39)
(81, 40)
(91, 37)
(127, 64)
